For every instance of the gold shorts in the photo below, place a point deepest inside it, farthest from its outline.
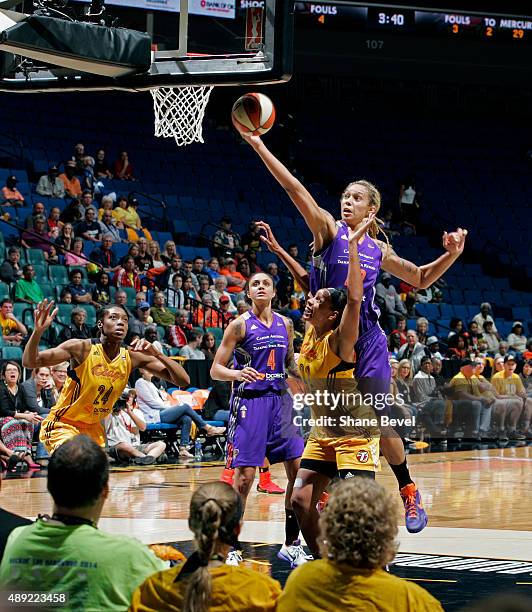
(54, 433)
(347, 453)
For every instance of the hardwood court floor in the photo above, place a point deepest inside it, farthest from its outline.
(478, 502)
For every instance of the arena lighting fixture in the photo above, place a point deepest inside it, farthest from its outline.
(80, 46)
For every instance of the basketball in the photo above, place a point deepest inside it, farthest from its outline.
(253, 113)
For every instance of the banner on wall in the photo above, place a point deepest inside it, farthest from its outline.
(209, 8)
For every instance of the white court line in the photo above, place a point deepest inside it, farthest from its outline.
(485, 543)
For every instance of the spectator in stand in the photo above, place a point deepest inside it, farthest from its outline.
(175, 298)
(80, 293)
(205, 287)
(169, 252)
(157, 410)
(27, 289)
(527, 355)
(422, 328)
(53, 255)
(213, 269)
(101, 167)
(152, 335)
(225, 239)
(219, 290)
(89, 229)
(37, 211)
(491, 338)
(507, 382)
(191, 349)
(65, 239)
(409, 201)
(177, 334)
(131, 218)
(71, 181)
(143, 260)
(141, 321)
(126, 275)
(498, 364)
(251, 239)
(121, 300)
(122, 429)
(252, 259)
(50, 185)
(468, 408)
(475, 335)
(402, 387)
(11, 270)
(104, 254)
(526, 377)
(456, 326)
(101, 294)
(433, 344)
(389, 302)
(161, 315)
(187, 272)
(484, 315)
(242, 306)
(120, 211)
(208, 346)
(517, 339)
(74, 212)
(87, 176)
(37, 237)
(65, 296)
(37, 393)
(140, 297)
(235, 281)
(79, 157)
(164, 277)
(204, 315)
(394, 344)
(155, 252)
(413, 350)
(189, 289)
(388, 226)
(358, 538)
(429, 401)
(106, 206)
(53, 223)
(87, 201)
(506, 409)
(77, 329)
(205, 581)
(77, 257)
(16, 422)
(225, 314)
(133, 251)
(198, 269)
(66, 552)
(457, 347)
(400, 329)
(273, 270)
(13, 331)
(123, 169)
(504, 347)
(11, 196)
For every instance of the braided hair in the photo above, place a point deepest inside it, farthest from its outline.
(215, 512)
(375, 200)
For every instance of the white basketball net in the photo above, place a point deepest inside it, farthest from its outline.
(179, 112)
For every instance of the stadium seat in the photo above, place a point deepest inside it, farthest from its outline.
(4, 291)
(430, 311)
(58, 275)
(12, 352)
(64, 313)
(131, 294)
(47, 289)
(35, 256)
(91, 314)
(521, 313)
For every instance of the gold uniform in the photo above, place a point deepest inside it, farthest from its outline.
(333, 439)
(88, 396)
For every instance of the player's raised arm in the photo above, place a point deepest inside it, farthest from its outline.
(319, 221)
(43, 316)
(296, 269)
(145, 355)
(233, 334)
(424, 276)
(346, 334)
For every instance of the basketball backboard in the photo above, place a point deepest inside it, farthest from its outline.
(194, 42)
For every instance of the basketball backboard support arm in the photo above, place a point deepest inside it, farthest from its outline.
(270, 63)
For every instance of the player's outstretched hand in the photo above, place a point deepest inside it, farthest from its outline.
(268, 238)
(454, 242)
(355, 235)
(249, 138)
(43, 315)
(246, 375)
(146, 348)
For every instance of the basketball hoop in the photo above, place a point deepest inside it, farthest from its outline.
(179, 112)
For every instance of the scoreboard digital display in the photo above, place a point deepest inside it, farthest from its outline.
(359, 18)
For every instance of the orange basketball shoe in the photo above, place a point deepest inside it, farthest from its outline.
(266, 485)
(227, 476)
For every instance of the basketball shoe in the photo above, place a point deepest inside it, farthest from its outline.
(234, 557)
(294, 554)
(416, 518)
(322, 502)
(266, 485)
(227, 476)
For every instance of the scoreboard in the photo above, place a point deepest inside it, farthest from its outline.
(412, 22)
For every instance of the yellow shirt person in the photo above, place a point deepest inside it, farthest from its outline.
(233, 588)
(507, 385)
(324, 585)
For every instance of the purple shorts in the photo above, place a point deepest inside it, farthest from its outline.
(262, 426)
(372, 366)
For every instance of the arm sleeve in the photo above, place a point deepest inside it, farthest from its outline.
(148, 395)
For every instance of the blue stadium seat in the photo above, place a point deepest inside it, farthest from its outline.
(447, 310)
(521, 313)
(430, 311)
